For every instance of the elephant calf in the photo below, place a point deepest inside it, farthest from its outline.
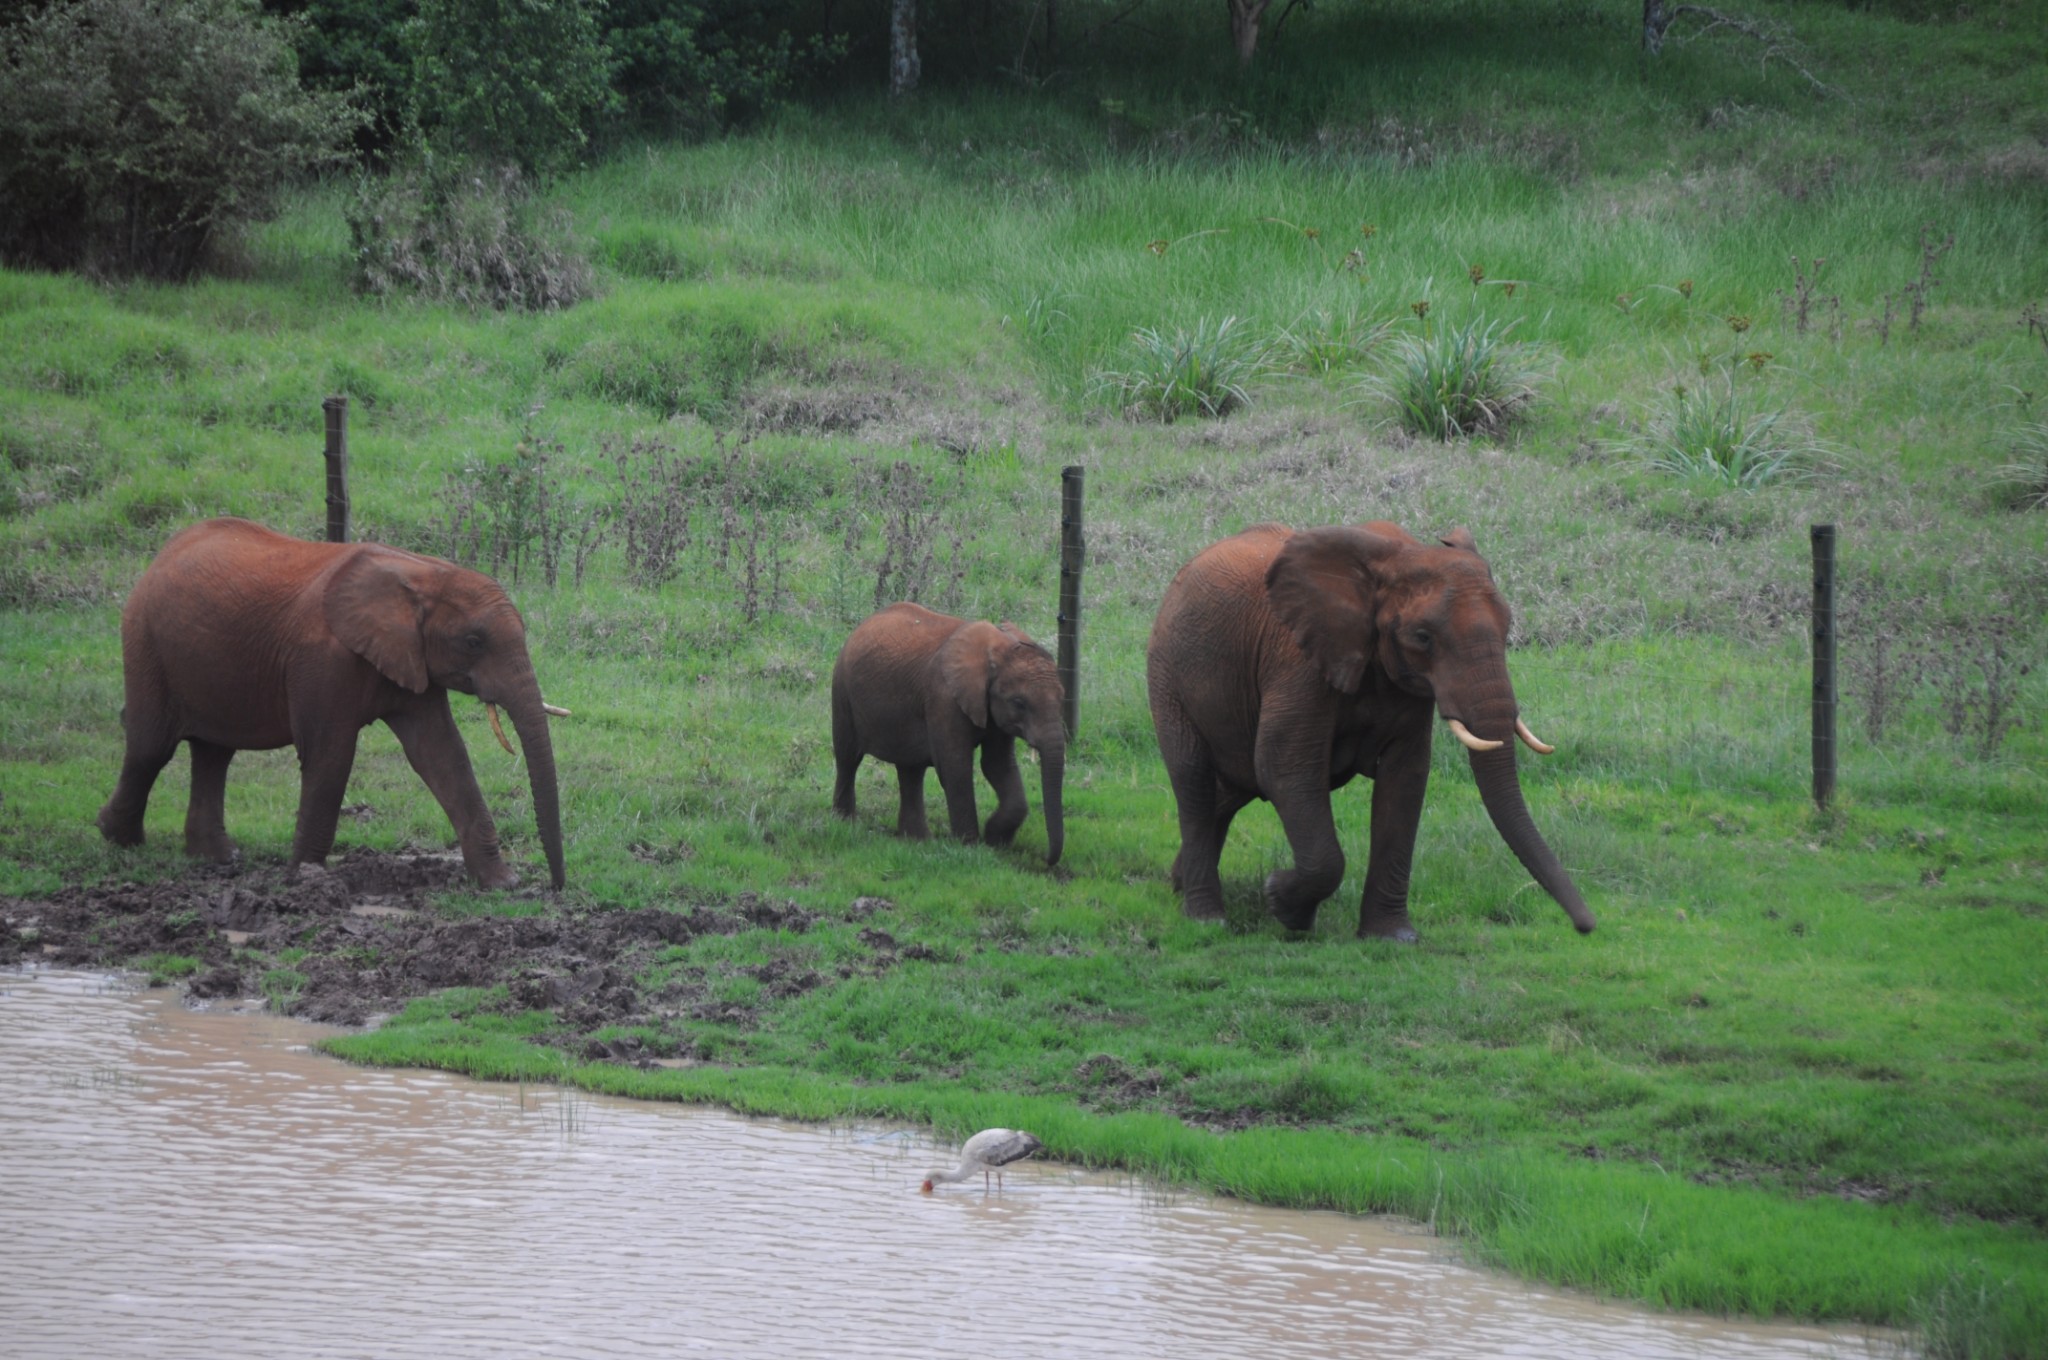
(240, 639)
(917, 688)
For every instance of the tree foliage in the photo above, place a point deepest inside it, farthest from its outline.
(136, 134)
(518, 82)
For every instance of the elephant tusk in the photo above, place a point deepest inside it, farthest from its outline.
(555, 710)
(1529, 739)
(1470, 742)
(498, 730)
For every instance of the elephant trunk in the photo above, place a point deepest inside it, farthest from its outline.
(530, 721)
(1493, 720)
(1052, 768)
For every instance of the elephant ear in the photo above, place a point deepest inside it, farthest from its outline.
(1323, 587)
(967, 662)
(1461, 539)
(374, 607)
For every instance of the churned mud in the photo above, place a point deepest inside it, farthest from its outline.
(365, 935)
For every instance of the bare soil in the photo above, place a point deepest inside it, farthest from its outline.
(368, 935)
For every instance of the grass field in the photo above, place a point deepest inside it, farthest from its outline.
(1800, 1068)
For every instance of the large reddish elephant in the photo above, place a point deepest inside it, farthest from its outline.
(240, 639)
(1283, 663)
(917, 689)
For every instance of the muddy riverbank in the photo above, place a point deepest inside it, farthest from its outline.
(362, 937)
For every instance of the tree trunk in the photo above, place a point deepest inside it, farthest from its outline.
(903, 64)
(1655, 20)
(1245, 16)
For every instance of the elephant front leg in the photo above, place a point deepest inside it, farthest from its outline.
(999, 767)
(1398, 787)
(956, 781)
(910, 819)
(1294, 772)
(206, 829)
(433, 746)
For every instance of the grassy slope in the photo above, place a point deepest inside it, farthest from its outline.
(1800, 1067)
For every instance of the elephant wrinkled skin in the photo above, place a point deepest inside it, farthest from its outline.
(1283, 663)
(916, 689)
(241, 639)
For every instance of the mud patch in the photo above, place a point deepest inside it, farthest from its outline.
(368, 934)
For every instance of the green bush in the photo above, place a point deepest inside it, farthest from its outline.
(699, 68)
(358, 45)
(509, 81)
(135, 137)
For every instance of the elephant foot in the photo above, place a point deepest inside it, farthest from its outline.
(214, 847)
(1388, 928)
(120, 830)
(1292, 915)
(494, 875)
(1201, 908)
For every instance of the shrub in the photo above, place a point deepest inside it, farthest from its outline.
(1724, 437)
(1455, 381)
(1204, 371)
(358, 45)
(509, 81)
(698, 68)
(135, 136)
(468, 234)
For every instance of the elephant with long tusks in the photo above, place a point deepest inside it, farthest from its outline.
(1285, 663)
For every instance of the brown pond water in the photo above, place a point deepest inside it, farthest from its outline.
(179, 1183)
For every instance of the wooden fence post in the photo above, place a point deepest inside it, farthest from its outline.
(1073, 552)
(1823, 536)
(336, 410)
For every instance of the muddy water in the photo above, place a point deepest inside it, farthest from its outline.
(176, 1183)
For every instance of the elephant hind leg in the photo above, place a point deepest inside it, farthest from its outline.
(1230, 800)
(910, 816)
(206, 828)
(846, 755)
(1206, 808)
(150, 748)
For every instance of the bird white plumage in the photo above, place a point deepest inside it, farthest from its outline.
(988, 1151)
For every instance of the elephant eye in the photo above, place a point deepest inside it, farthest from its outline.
(473, 642)
(1420, 639)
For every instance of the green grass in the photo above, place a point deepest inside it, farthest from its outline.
(1799, 1069)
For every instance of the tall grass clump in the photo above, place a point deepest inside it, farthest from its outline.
(1205, 371)
(1964, 1316)
(1726, 436)
(2025, 479)
(1450, 382)
(1324, 341)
